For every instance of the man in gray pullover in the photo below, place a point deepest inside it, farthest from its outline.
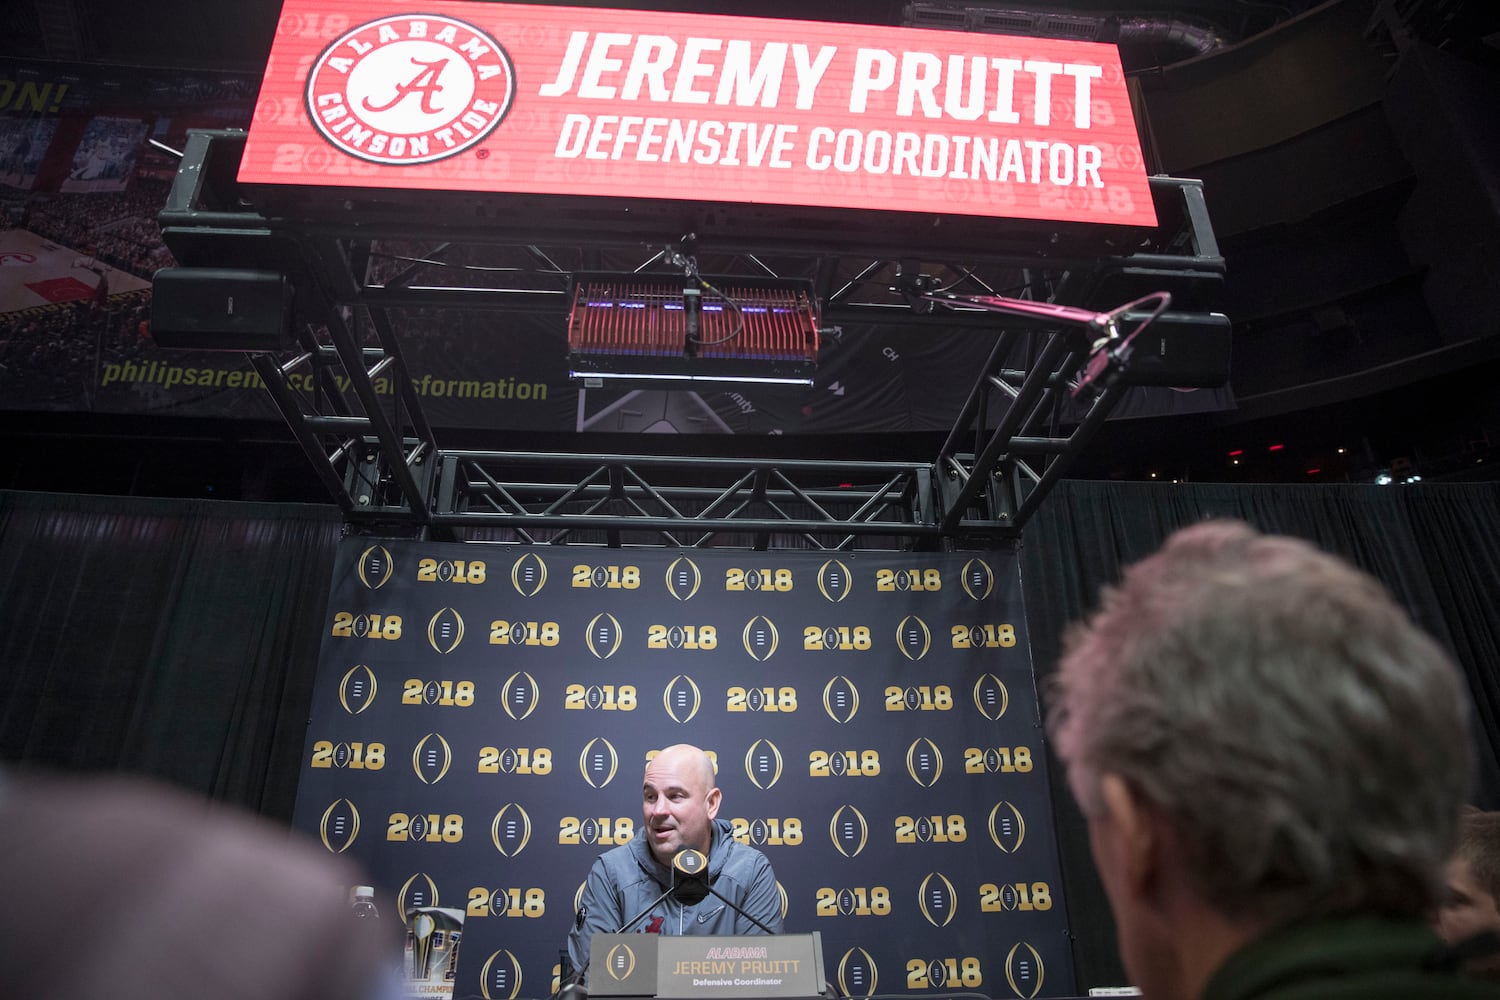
(680, 805)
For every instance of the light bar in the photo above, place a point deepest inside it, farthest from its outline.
(644, 329)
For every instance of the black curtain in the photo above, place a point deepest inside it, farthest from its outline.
(1436, 547)
(174, 638)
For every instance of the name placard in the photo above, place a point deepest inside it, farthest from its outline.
(631, 965)
(788, 965)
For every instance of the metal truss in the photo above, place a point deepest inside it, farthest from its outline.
(362, 269)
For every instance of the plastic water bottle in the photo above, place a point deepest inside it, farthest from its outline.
(362, 902)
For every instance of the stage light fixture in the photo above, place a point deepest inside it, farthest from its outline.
(667, 332)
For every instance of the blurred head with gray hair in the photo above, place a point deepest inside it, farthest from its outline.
(1288, 743)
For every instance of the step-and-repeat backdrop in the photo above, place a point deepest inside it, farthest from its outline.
(483, 715)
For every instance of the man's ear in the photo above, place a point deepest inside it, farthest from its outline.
(1136, 835)
(711, 802)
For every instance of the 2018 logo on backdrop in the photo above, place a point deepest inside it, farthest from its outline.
(375, 567)
(355, 754)
(1007, 827)
(412, 88)
(445, 630)
(939, 973)
(419, 890)
(339, 826)
(431, 758)
(848, 831)
(763, 764)
(937, 899)
(683, 578)
(978, 579)
(857, 973)
(682, 699)
(924, 762)
(1027, 897)
(854, 901)
(598, 762)
(1024, 970)
(424, 828)
(500, 979)
(913, 638)
(760, 638)
(840, 699)
(515, 761)
(521, 695)
(834, 580)
(528, 575)
(510, 831)
(357, 689)
(459, 571)
(991, 697)
(604, 635)
(507, 901)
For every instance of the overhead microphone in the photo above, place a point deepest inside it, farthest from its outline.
(1108, 350)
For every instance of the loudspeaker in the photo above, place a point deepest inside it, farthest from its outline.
(1186, 350)
(218, 309)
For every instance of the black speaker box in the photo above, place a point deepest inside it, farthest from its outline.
(1186, 350)
(217, 309)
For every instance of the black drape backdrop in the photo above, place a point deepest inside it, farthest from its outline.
(165, 637)
(179, 638)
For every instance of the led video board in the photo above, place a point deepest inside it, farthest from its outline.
(591, 102)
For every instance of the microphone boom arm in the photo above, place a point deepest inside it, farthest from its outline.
(737, 908)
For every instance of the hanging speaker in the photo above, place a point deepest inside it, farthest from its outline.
(218, 309)
(1185, 350)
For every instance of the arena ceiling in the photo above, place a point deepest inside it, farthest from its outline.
(187, 34)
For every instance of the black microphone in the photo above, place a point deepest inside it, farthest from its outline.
(693, 866)
(688, 886)
(1109, 351)
(688, 867)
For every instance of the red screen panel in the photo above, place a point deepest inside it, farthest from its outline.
(521, 99)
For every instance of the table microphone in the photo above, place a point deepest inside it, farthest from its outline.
(689, 885)
(695, 884)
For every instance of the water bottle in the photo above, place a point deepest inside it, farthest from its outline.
(362, 902)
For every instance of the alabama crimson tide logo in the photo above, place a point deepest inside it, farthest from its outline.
(412, 88)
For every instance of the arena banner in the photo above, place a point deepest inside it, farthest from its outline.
(482, 716)
(533, 99)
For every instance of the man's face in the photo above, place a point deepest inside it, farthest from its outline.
(1115, 826)
(1466, 909)
(678, 805)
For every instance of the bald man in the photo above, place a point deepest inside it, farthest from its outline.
(679, 810)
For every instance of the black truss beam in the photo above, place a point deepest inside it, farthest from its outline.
(352, 260)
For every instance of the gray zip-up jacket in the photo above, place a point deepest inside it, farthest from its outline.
(625, 879)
